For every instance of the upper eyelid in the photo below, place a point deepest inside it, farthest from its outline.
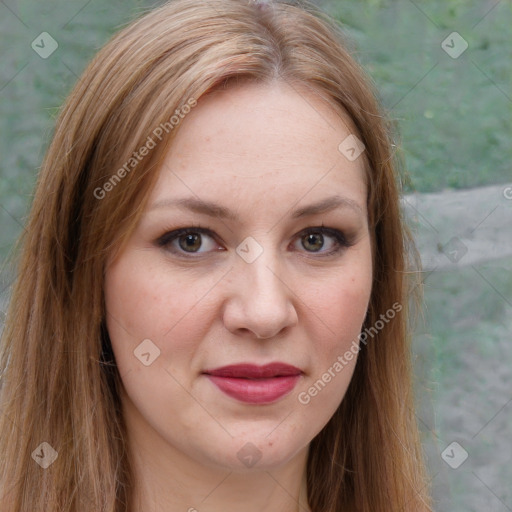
(211, 232)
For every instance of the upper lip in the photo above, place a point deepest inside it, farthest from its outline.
(252, 371)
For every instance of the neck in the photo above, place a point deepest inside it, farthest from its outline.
(185, 485)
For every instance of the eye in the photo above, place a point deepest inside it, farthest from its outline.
(187, 240)
(191, 239)
(313, 240)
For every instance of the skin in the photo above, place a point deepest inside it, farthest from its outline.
(262, 151)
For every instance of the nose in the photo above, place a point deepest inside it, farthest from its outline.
(260, 299)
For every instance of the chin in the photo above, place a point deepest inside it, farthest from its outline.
(258, 452)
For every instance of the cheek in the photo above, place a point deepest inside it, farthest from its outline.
(340, 307)
(342, 300)
(132, 303)
(339, 312)
(143, 302)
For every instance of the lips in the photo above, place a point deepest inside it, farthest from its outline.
(252, 371)
(250, 383)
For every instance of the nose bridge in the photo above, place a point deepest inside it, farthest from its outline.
(263, 302)
(261, 269)
(263, 274)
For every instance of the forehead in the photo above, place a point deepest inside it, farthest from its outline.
(259, 144)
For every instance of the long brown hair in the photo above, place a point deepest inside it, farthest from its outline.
(59, 381)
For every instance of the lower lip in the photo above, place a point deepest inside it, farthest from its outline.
(256, 391)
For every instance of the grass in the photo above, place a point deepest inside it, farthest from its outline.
(454, 115)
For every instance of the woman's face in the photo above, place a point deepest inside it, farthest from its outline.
(264, 274)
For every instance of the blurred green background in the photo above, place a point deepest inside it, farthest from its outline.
(454, 130)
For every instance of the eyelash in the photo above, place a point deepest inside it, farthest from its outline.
(165, 240)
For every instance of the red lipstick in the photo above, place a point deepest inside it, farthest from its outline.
(254, 384)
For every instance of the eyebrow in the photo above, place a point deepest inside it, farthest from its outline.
(216, 210)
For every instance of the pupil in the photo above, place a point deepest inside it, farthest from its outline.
(311, 237)
(190, 241)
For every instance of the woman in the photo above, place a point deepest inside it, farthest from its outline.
(211, 295)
